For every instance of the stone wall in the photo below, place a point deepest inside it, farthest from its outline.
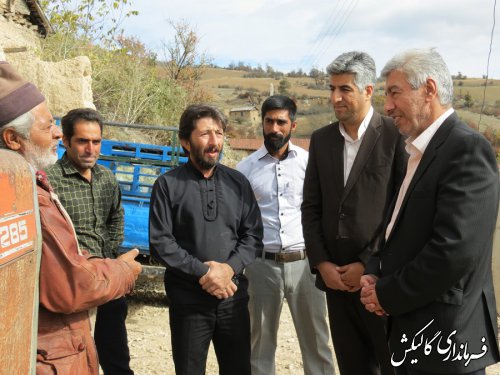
(66, 84)
(14, 35)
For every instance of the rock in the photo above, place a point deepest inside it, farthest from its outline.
(66, 84)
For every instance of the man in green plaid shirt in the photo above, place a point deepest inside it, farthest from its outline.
(91, 195)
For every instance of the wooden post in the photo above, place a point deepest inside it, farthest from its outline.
(20, 251)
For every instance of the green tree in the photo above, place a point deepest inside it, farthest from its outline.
(284, 87)
(88, 20)
(318, 75)
(468, 102)
(129, 86)
(128, 82)
(184, 62)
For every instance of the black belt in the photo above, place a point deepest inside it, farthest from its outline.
(283, 257)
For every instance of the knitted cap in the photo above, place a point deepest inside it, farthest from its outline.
(16, 95)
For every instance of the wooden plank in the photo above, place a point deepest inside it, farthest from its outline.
(19, 265)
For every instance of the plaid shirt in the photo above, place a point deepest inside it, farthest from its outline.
(94, 207)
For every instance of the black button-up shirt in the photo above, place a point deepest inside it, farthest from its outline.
(195, 219)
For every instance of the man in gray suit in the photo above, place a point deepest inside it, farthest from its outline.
(355, 167)
(433, 274)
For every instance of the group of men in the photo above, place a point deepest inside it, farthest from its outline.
(395, 216)
(386, 224)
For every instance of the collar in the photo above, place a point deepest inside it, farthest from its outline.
(190, 166)
(262, 151)
(362, 127)
(69, 169)
(43, 181)
(422, 141)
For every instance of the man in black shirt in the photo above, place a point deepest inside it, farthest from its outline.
(205, 226)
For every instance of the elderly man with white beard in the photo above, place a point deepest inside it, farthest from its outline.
(71, 281)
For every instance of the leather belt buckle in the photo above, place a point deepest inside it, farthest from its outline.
(285, 257)
(281, 257)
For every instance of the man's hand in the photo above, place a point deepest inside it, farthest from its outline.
(129, 258)
(331, 276)
(217, 281)
(369, 295)
(350, 274)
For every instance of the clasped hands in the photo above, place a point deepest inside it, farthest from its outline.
(350, 278)
(344, 278)
(369, 295)
(218, 280)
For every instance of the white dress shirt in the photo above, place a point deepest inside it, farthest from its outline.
(351, 146)
(277, 185)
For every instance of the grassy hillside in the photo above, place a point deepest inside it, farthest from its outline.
(230, 89)
(215, 79)
(475, 87)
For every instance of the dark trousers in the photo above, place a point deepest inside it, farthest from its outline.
(227, 324)
(359, 337)
(110, 336)
(403, 371)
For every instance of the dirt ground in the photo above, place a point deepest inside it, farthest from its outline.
(151, 352)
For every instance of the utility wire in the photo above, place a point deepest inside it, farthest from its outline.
(337, 31)
(332, 29)
(487, 65)
(328, 24)
(325, 30)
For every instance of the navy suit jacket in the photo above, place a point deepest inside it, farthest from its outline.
(435, 267)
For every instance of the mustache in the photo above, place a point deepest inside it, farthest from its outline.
(212, 149)
(274, 136)
(393, 112)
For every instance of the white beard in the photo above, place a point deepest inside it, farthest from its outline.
(38, 157)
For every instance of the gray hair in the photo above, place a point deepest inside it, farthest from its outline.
(22, 125)
(360, 64)
(420, 64)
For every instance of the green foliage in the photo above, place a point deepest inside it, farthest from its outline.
(319, 77)
(128, 82)
(284, 87)
(130, 87)
(184, 62)
(90, 20)
(378, 102)
(459, 76)
(468, 101)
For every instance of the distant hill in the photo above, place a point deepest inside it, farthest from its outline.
(230, 89)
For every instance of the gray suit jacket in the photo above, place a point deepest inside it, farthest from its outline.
(340, 223)
(435, 269)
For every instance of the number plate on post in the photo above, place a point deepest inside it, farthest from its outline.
(17, 218)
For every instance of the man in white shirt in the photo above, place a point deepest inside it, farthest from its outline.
(281, 271)
(355, 168)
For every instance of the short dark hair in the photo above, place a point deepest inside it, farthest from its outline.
(279, 102)
(72, 117)
(195, 112)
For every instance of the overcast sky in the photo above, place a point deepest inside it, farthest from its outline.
(293, 34)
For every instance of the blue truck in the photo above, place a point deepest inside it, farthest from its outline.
(136, 167)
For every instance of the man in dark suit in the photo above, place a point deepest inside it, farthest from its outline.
(355, 167)
(433, 274)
